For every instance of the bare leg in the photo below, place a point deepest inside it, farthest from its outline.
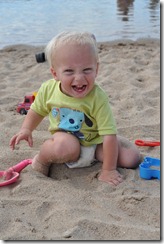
(62, 148)
(128, 153)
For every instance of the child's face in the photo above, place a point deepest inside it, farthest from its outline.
(76, 67)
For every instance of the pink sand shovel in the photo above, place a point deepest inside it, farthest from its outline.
(11, 175)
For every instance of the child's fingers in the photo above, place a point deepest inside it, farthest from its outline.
(117, 181)
(30, 142)
(113, 178)
(12, 142)
(18, 139)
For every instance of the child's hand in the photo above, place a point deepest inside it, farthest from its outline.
(112, 177)
(23, 134)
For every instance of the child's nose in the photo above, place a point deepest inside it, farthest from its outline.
(79, 77)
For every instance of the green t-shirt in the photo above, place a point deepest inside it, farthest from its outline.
(88, 118)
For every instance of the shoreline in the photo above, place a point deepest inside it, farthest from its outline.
(127, 41)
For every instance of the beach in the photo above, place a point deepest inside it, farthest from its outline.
(72, 204)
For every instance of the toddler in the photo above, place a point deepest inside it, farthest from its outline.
(80, 118)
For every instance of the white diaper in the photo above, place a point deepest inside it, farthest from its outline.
(87, 158)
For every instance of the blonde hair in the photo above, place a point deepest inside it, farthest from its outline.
(80, 38)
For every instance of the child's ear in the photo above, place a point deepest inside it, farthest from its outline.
(53, 72)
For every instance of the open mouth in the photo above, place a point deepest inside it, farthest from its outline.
(79, 88)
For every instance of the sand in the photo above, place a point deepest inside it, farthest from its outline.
(72, 204)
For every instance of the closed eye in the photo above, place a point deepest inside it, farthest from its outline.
(87, 70)
(68, 71)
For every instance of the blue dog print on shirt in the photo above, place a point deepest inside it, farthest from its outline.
(71, 120)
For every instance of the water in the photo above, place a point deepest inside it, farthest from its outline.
(35, 22)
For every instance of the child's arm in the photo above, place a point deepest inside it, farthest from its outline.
(109, 173)
(32, 120)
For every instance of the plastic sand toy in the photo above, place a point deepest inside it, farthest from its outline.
(11, 175)
(143, 143)
(150, 168)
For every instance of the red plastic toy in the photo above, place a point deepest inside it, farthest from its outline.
(23, 107)
(147, 143)
(11, 175)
